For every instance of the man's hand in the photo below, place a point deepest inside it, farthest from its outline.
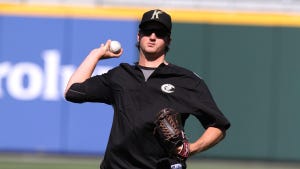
(103, 52)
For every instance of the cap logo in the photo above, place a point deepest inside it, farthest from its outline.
(156, 14)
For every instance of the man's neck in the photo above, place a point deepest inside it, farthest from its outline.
(152, 62)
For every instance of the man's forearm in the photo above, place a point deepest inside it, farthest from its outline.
(209, 138)
(84, 71)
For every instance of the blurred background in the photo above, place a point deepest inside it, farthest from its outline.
(247, 51)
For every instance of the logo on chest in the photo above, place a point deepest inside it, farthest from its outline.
(167, 88)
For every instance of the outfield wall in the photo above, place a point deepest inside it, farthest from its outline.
(249, 61)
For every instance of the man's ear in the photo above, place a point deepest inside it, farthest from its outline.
(138, 37)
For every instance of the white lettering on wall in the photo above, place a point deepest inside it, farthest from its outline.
(30, 81)
(4, 69)
(16, 77)
(51, 70)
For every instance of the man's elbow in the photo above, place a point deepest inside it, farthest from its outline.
(73, 96)
(220, 133)
(223, 134)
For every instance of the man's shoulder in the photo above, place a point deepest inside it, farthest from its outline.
(121, 70)
(179, 68)
(122, 66)
(184, 71)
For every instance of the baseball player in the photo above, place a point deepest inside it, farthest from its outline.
(138, 92)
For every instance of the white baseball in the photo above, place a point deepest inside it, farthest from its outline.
(115, 46)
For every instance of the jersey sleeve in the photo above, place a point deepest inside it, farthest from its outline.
(207, 112)
(94, 89)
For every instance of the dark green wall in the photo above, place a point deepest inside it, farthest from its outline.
(253, 73)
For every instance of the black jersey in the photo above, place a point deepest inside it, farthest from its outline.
(135, 101)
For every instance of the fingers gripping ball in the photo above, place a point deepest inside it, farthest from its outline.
(115, 46)
(169, 130)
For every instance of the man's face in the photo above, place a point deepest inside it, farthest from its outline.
(153, 39)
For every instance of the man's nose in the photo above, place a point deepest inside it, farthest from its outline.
(153, 35)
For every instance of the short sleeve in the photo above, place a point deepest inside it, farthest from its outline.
(94, 89)
(207, 111)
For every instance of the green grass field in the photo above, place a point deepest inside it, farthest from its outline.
(42, 161)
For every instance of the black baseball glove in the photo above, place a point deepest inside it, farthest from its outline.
(169, 130)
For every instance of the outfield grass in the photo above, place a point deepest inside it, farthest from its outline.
(234, 164)
(40, 161)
